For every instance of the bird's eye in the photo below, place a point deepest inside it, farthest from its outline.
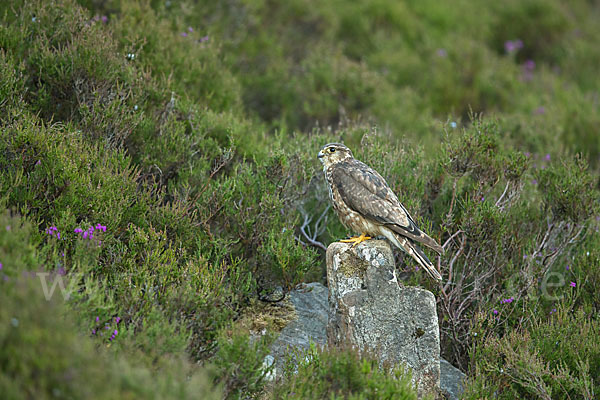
(332, 149)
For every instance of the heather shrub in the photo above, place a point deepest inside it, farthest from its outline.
(43, 354)
(408, 66)
(240, 365)
(74, 71)
(556, 357)
(502, 243)
(342, 374)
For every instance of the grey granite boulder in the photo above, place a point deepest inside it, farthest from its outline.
(451, 380)
(311, 308)
(311, 313)
(370, 311)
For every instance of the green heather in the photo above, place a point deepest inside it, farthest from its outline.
(158, 159)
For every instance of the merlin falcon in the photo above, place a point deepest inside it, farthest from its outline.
(365, 204)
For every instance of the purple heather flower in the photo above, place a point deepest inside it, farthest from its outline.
(547, 157)
(116, 332)
(534, 181)
(540, 110)
(117, 320)
(85, 234)
(0, 266)
(38, 162)
(93, 331)
(97, 319)
(568, 267)
(495, 312)
(442, 52)
(204, 39)
(58, 235)
(513, 45)
(527, 154)
(61, 271)
(104, 19)
(78, 230)
(8, 226)
(524, 256)
(190, 29)
(184, 34)
(572, 284)
(529, 65)
(100, 227)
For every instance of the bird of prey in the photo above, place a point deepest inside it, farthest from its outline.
(365, 204)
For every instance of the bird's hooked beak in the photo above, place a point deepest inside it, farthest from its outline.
(321, 154)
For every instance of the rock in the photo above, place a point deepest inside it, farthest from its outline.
(451, 380)
(369, 310)
(311, 309)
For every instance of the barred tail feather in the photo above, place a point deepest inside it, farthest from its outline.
(415, 252)
(422, 260)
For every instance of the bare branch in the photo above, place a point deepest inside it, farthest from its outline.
(452, 237)
(311, 234)
(503, 194)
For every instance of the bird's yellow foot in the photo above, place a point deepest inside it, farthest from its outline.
(356, 240)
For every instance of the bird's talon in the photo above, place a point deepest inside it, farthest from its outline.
(356, 240)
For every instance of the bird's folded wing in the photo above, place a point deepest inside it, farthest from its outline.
(367, 193)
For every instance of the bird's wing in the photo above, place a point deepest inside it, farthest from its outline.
(366, 192)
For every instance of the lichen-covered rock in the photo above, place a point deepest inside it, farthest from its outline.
(369, 310)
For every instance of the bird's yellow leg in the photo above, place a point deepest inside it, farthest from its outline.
(357, 239)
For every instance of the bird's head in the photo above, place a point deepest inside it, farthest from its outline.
(333, 153)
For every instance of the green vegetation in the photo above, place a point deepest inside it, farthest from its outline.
(158, 158)
(343, 374)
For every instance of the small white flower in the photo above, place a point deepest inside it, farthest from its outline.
(453, 124)
(135, 107)
(34, 19)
